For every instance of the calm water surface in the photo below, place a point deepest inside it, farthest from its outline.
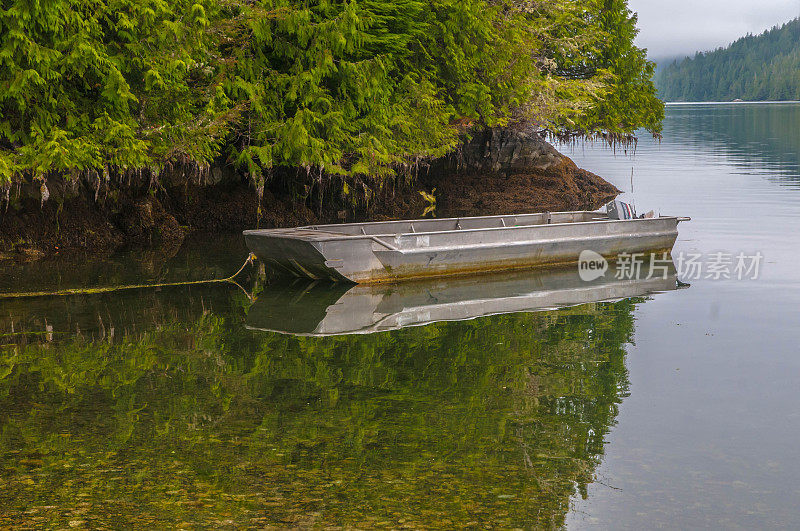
(708, 436)
(671, 409)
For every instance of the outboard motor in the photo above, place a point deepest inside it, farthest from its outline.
(619, 210)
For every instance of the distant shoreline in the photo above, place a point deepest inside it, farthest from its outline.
(764, 102)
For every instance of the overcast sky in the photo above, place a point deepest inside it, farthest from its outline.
(676, 27)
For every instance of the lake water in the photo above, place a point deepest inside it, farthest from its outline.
(659, 408)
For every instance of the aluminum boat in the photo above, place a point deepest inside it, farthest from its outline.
(396, 250)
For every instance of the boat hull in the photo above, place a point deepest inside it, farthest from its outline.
(472, 245)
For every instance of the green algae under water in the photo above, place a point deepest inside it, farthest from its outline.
(160, 408)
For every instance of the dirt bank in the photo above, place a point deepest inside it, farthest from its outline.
(510, 173)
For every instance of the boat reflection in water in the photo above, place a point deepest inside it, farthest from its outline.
(324, 309)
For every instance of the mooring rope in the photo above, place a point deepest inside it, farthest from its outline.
(92, 291)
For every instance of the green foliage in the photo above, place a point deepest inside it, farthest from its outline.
(92, 85)
(594, 80)
(327, 86)
(355, 88)
(757, 68)
(629, 101)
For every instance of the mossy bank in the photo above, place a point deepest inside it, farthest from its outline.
(498, 171)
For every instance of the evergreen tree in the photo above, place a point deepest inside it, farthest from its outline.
(356, 88)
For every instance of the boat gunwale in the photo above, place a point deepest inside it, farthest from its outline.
(324, 234)
(459, 218)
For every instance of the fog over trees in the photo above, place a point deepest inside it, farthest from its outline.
(754, 68)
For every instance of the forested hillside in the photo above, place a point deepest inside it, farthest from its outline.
(761, 67)
(119, 90)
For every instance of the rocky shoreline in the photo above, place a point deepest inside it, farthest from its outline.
(497, 172)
